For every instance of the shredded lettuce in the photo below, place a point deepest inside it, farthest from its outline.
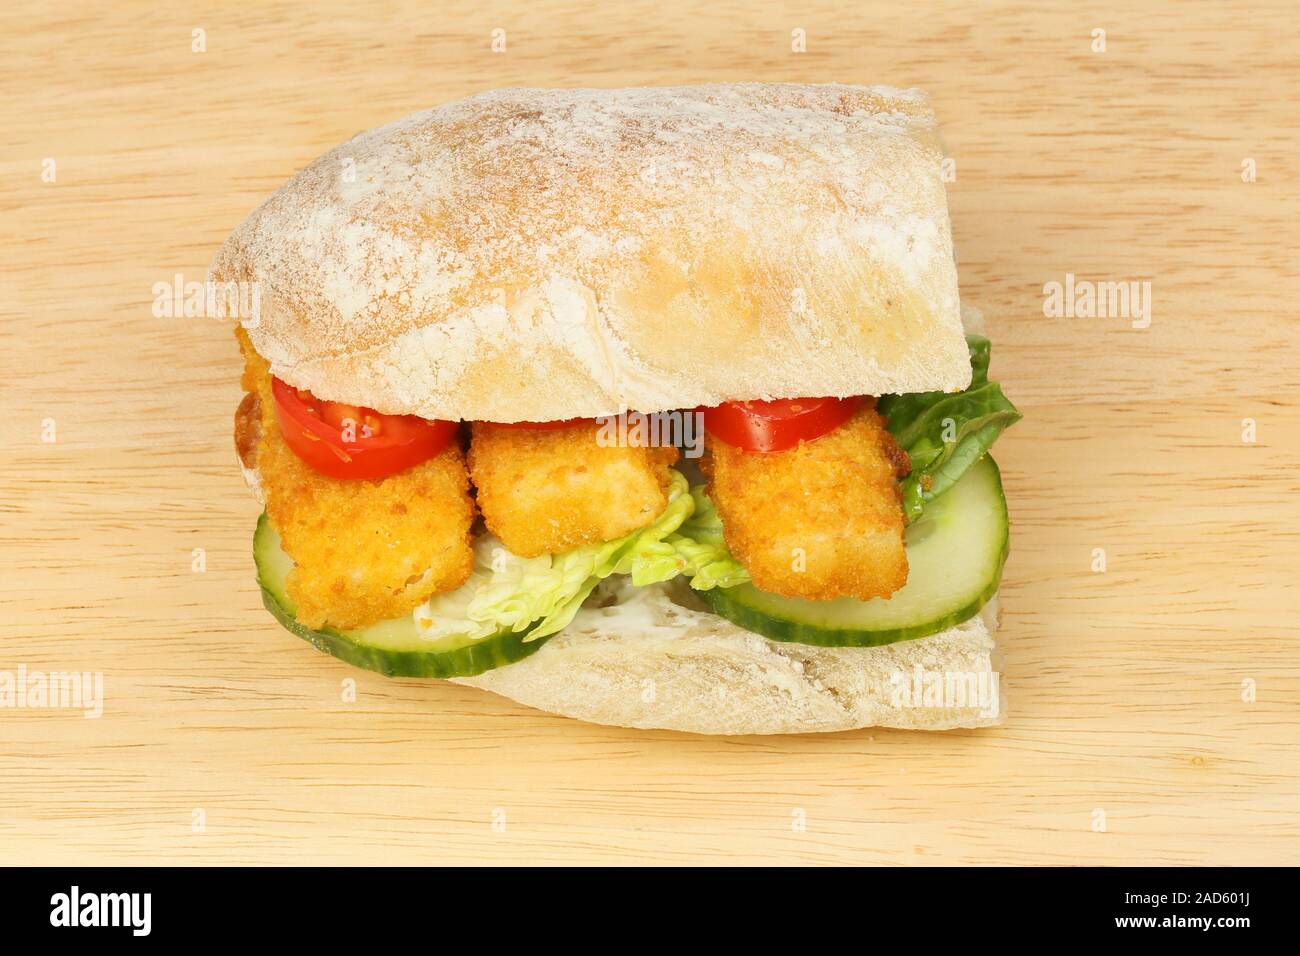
(699, 544)
(509, 592)
(945, 433)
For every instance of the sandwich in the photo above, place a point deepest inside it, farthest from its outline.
(648, 407)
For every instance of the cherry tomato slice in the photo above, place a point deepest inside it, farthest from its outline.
(777, 425)
(350, 441)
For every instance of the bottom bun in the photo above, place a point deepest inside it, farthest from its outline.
(654, 662)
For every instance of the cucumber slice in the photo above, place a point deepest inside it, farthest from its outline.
(955, 553)
(395, 648)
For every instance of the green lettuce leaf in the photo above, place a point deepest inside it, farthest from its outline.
(945, 433)
(508, 592)
(699, 545)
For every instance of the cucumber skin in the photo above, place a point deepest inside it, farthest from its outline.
(503, 649)
(795, 632)
(464, 661)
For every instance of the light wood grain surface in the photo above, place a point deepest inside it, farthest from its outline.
(1125, 686)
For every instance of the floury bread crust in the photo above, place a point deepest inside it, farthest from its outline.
(547, 254)
(651, 663)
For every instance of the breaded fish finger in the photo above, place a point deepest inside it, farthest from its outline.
(364, 550)
(821, 520)
(548, 490)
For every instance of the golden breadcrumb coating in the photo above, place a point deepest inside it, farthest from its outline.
(543, 491)
(364, 550)
(822, 520)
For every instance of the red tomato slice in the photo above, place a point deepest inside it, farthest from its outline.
(778, 425)
(350, 441)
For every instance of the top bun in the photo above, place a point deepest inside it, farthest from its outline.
(533, 255)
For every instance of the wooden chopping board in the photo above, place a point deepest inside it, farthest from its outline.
(1132, 737)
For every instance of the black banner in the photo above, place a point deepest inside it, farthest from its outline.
(1176, 906)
